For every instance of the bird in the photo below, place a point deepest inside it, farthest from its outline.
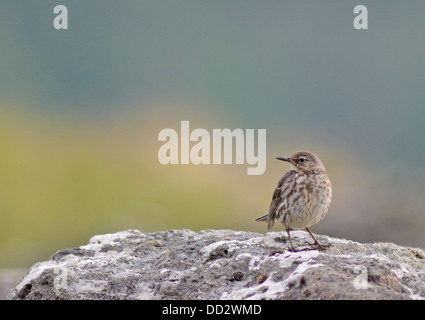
(302, 196)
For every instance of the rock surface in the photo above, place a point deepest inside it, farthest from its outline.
(225, 264)
(8, 279)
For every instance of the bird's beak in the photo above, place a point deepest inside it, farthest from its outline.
(287, 159)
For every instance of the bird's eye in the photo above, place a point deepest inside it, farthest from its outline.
(301, 159)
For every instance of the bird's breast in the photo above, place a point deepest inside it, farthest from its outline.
(308, 200)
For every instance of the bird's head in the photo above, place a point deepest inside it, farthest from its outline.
(304, 162)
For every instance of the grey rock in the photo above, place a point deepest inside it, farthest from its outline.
(225, 264)
(8, 279)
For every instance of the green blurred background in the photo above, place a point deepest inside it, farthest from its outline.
(81, 109)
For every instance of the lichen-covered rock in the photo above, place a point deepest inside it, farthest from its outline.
(225, 264)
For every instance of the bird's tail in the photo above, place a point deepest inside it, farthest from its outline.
(263, 218)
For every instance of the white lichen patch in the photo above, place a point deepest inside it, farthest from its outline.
(271, 289)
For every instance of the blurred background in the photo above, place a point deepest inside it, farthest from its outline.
(81, 109)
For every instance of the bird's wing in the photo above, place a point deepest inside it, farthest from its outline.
(276, 200)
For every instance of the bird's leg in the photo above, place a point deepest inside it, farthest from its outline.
(290, 240)
(274, 252)
(321, 246)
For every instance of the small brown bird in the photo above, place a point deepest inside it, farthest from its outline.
(302, 196)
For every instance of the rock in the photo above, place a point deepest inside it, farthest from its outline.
(8, 279)
(225, 264)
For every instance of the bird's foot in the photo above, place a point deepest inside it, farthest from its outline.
(319, 245)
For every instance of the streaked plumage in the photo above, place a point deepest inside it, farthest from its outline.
(302, 196)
